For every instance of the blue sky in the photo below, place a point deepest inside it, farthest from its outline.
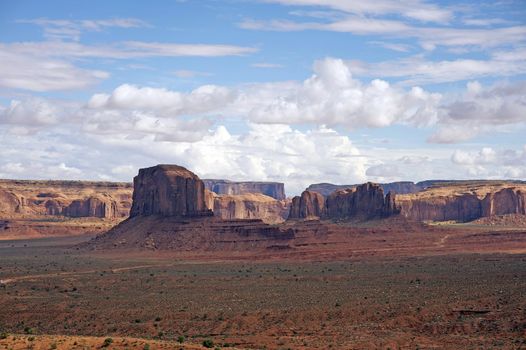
(299, 91)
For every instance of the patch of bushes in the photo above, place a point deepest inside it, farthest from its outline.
(207, 343)
(107, 342)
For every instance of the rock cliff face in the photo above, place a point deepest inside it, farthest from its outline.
(89, 207)
(38, 199)
(366, 201)
(168, 190)
(249, 206)
(404, 187)
(309, 205)
(464, 202)
(275, 190)
(400, 187)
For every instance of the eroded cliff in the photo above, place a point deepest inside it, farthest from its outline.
(275, 190)
(464, 202)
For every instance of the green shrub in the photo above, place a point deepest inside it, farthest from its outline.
(180, 339)
(146, 347)
(107, 342)
(4, 335)
(207, 343)
(28, 330)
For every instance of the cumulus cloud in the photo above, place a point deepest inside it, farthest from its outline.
(331, 96)
(480, 110)
(491, 163)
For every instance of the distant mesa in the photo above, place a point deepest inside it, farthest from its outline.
(403, 187)
(465, 201)
(275, 190)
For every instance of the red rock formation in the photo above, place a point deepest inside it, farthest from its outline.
(250, 206)
(168, 190)
(275, 190)
(505, 201)
(464, 203)
(365, 202)
(91, 207)
(309, 205)
(37, 199)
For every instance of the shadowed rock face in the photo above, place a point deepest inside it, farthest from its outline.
(275, 190)
(309, 205)
(366, 201)
(168, 190)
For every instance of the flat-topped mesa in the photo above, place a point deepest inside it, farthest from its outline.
(309, 205)
(365, 201)
(465, 202)
(275, 190)
(168, 190)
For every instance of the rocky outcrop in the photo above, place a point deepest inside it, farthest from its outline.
(38, 199)
(309, 205)
(366, 201)
(400, 187)
(89, 207)
(249, 206)
(464, 202)
(168, 190)
(404, 187)
(275, 190)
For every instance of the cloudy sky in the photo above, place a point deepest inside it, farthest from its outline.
(298, 91)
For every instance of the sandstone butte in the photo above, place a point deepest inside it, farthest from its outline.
(169, 211)
(363, 202)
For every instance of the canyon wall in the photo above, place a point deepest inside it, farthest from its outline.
(38, 199)
(275, 190)
(464, 202)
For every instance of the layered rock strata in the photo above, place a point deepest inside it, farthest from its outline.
(310, 205)
(275, 190)
(168, 190)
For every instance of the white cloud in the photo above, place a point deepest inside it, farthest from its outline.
(394, 19)
(419, 10)
(331, 96)
(71, 29)
(418, 70)
(51, 65)
(21, 71)
(481, 110)
(490, 163)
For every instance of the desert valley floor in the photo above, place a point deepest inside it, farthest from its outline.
(456, 286)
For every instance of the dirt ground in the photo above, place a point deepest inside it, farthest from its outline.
(464, 288)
